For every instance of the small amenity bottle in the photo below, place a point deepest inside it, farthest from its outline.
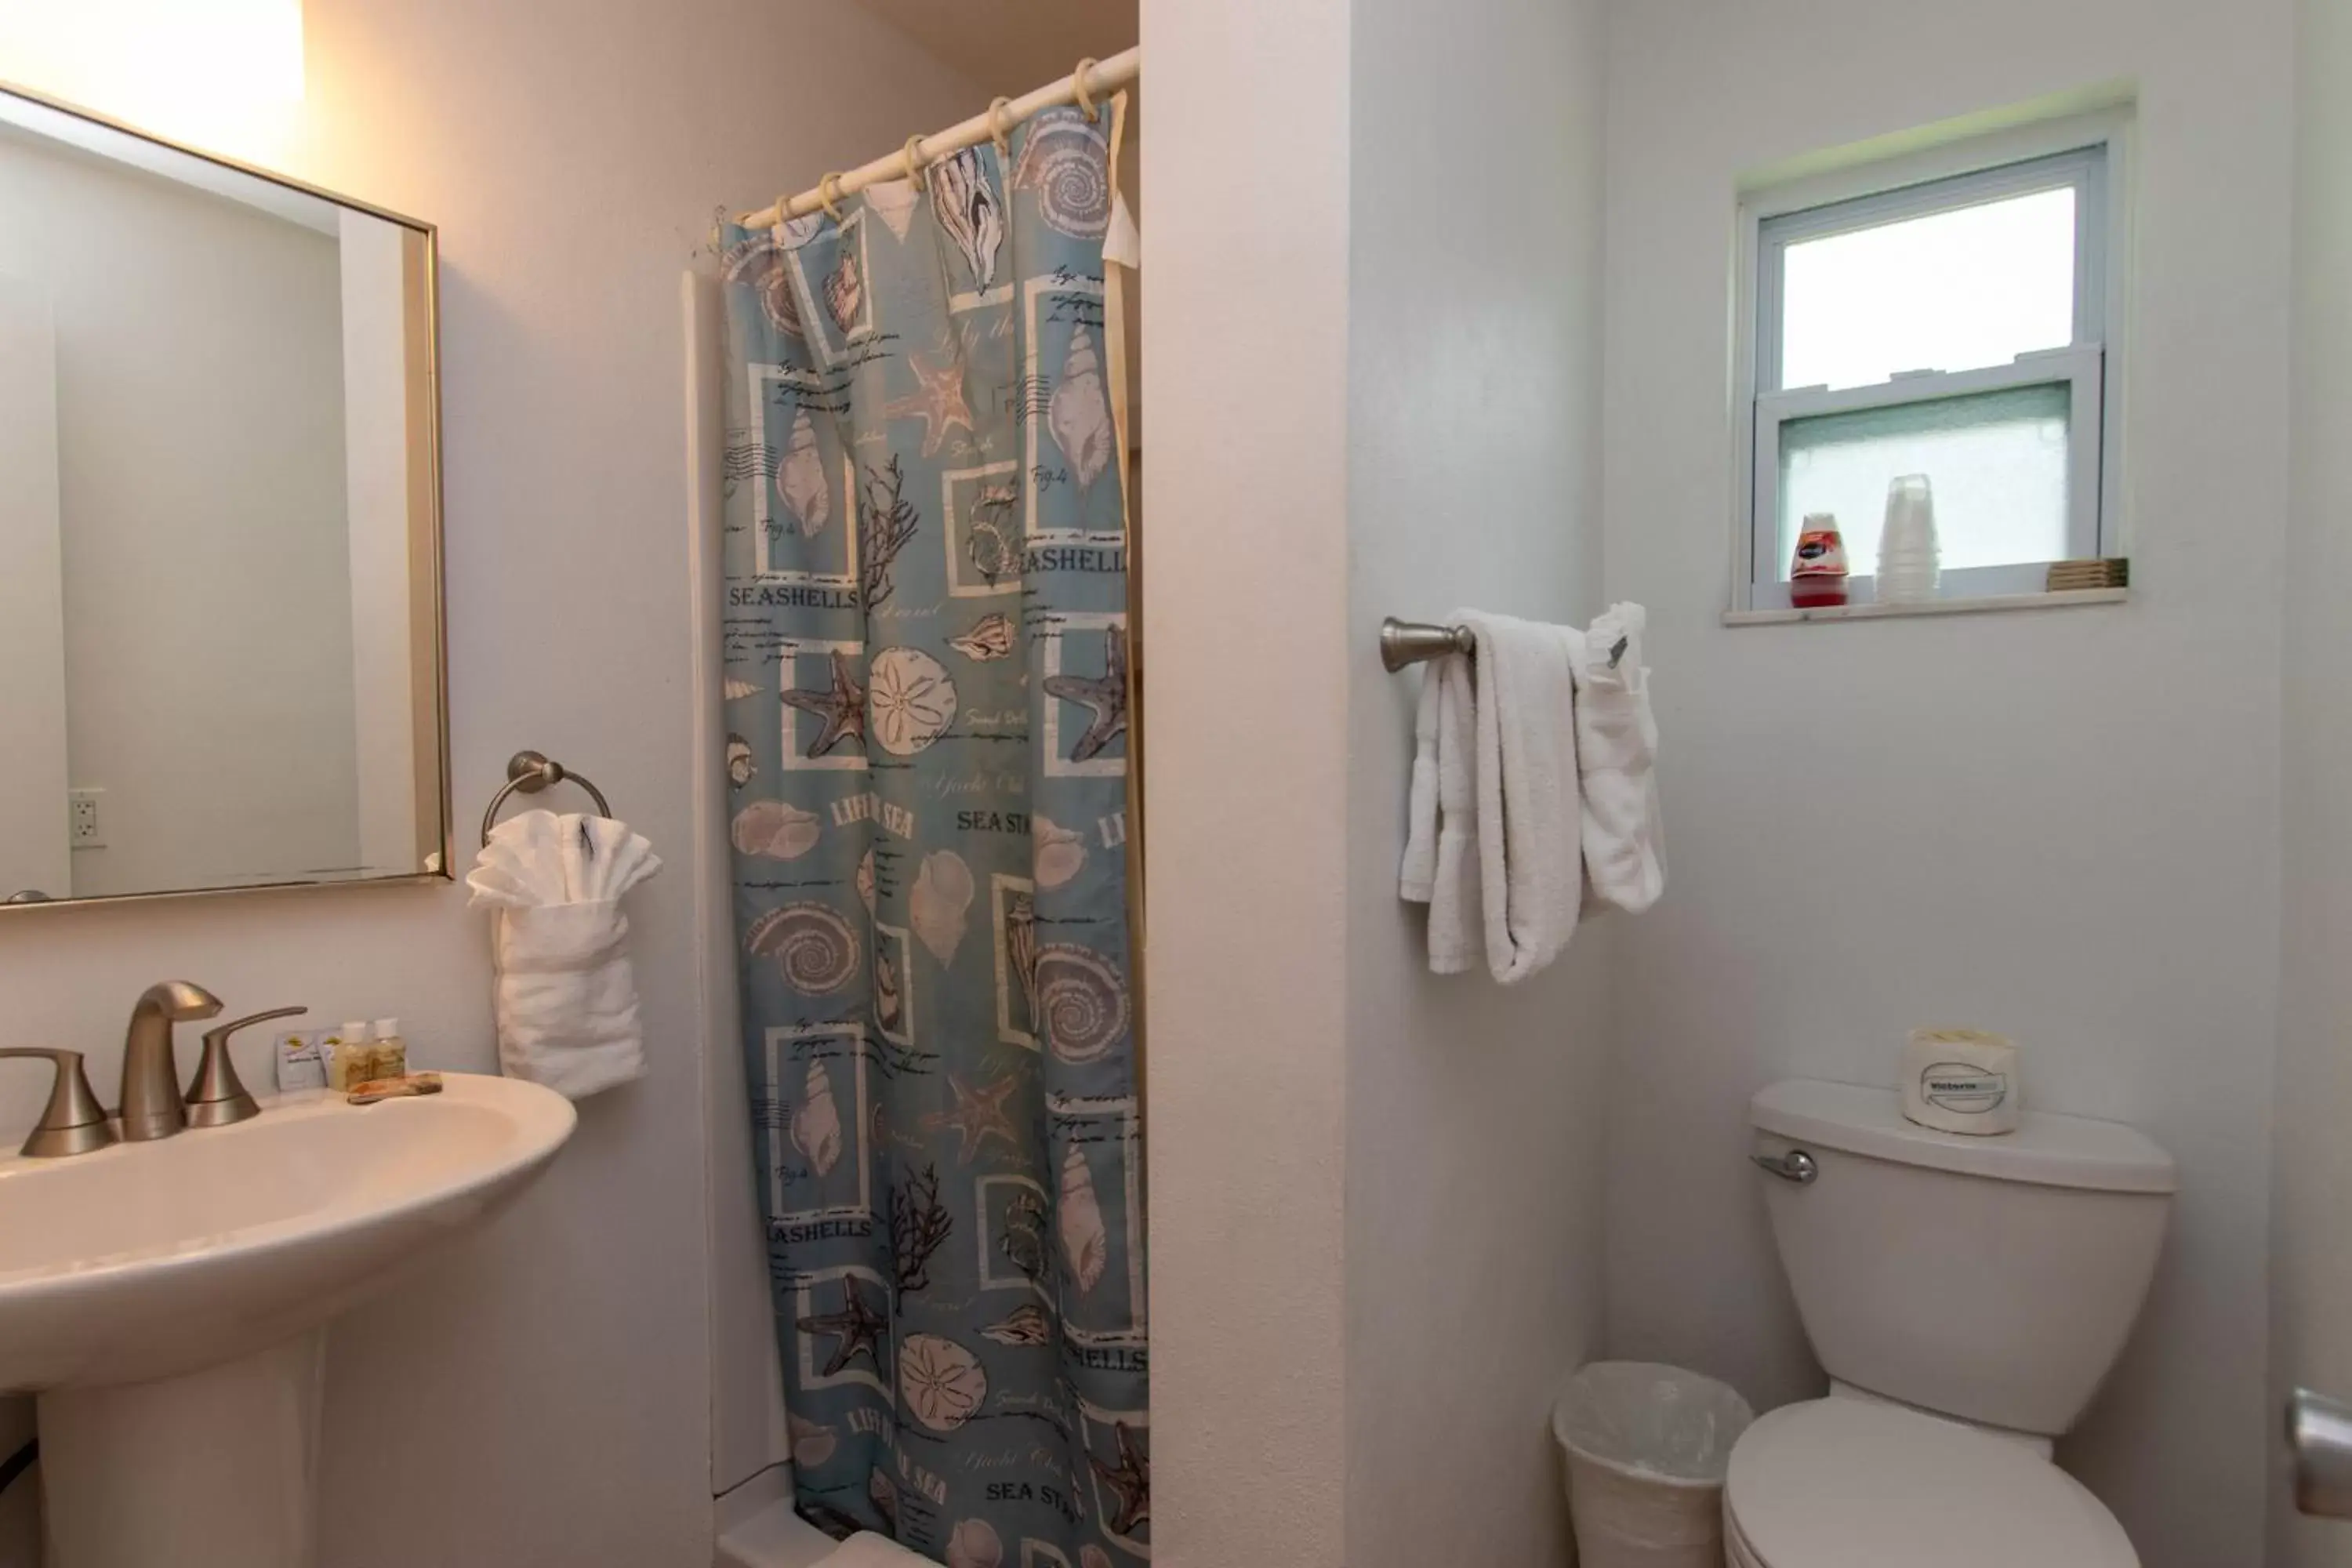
(351, 1055)
(391, 1050)
(1817, 575)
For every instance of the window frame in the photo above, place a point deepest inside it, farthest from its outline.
(2087, 154)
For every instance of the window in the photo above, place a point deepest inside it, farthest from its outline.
(1951, 324)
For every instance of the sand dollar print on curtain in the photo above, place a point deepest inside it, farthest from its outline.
(928, 667)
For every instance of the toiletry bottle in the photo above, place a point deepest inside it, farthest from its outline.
(350, 1060)
(391, 1050)
(330, 1051)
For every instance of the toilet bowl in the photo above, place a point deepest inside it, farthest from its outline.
(1967, 1295)
(1841, 1483)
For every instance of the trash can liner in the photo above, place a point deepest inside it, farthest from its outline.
(1647, 1449)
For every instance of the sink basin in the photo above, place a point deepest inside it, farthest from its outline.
(147, 1260)
(167, 1295)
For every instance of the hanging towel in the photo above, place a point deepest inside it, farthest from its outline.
(1617, 754)
(1492, 845)
(566, 1001)
(1440, 852)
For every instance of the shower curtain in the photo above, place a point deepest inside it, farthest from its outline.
(928, 687)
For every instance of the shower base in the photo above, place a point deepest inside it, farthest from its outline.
(758, 1529)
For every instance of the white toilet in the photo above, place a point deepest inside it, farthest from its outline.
(1966, 1296)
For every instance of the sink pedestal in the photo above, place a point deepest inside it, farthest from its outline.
(214, 1469)
(168, 1299)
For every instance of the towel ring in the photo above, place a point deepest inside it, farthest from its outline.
(531, 772)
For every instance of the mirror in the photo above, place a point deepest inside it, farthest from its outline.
(220, 571)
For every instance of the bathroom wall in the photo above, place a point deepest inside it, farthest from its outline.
(1011, 45)
(1475, 1114)
(183, 571)
(1371, 362)
(541, 1395)
(2311, 1258)
(2063, 824)
(1245, 729)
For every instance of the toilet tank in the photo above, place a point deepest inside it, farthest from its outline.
(1992, 1278)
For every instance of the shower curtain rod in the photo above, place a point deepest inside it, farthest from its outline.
(1097, 78)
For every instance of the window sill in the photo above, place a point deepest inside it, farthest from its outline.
(1876, 612)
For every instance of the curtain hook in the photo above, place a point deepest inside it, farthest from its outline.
(828, 196)
(998, 131)
(1079, 90)
(914, 164)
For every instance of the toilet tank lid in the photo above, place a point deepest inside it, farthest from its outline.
(2046, 1149)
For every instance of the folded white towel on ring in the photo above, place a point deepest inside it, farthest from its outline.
(1617, 755)
(1493, 844)
(566, 999)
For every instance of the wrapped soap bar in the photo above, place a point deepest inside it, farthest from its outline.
(407, 1087)
(1961, 1080)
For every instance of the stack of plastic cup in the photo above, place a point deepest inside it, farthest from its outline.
(1909, 563)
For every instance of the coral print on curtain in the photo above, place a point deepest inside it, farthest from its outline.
(928, 687)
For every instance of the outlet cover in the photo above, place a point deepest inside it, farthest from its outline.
(85, 824)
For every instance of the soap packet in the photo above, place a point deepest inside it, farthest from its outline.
(301, 1063)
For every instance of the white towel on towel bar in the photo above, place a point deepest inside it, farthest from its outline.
(1493, 845)
(566, 1000)
(1440, 852)
(1617, 754)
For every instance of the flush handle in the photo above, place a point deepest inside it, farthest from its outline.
(1796, 1165)
(2319, 1434)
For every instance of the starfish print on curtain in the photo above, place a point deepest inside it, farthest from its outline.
(939, 403)
(1104, 698)
(857, 1327)
(979, 1115)
(1128, 1482)
(842, 706)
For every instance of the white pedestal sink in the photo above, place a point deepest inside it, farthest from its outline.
(168, 1303)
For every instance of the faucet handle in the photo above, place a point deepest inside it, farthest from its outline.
(73, 1123)
(217, 1097)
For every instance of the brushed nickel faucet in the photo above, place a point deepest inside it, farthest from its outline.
(152, 1106)
(217, 1097)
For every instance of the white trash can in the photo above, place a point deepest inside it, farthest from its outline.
(1647, 1447)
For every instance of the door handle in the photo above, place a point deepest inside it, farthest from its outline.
(2319, 1436)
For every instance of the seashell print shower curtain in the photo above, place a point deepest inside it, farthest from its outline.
(927, 690)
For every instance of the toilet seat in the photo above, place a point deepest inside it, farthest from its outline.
(1839, 1483)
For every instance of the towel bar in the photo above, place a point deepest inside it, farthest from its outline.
(1412, 642)
(531, 772)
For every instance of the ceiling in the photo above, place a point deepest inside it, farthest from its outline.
(1011, 45)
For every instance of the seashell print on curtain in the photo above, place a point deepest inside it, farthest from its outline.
(927, 734)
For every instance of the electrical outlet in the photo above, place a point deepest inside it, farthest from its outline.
(85, 828)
